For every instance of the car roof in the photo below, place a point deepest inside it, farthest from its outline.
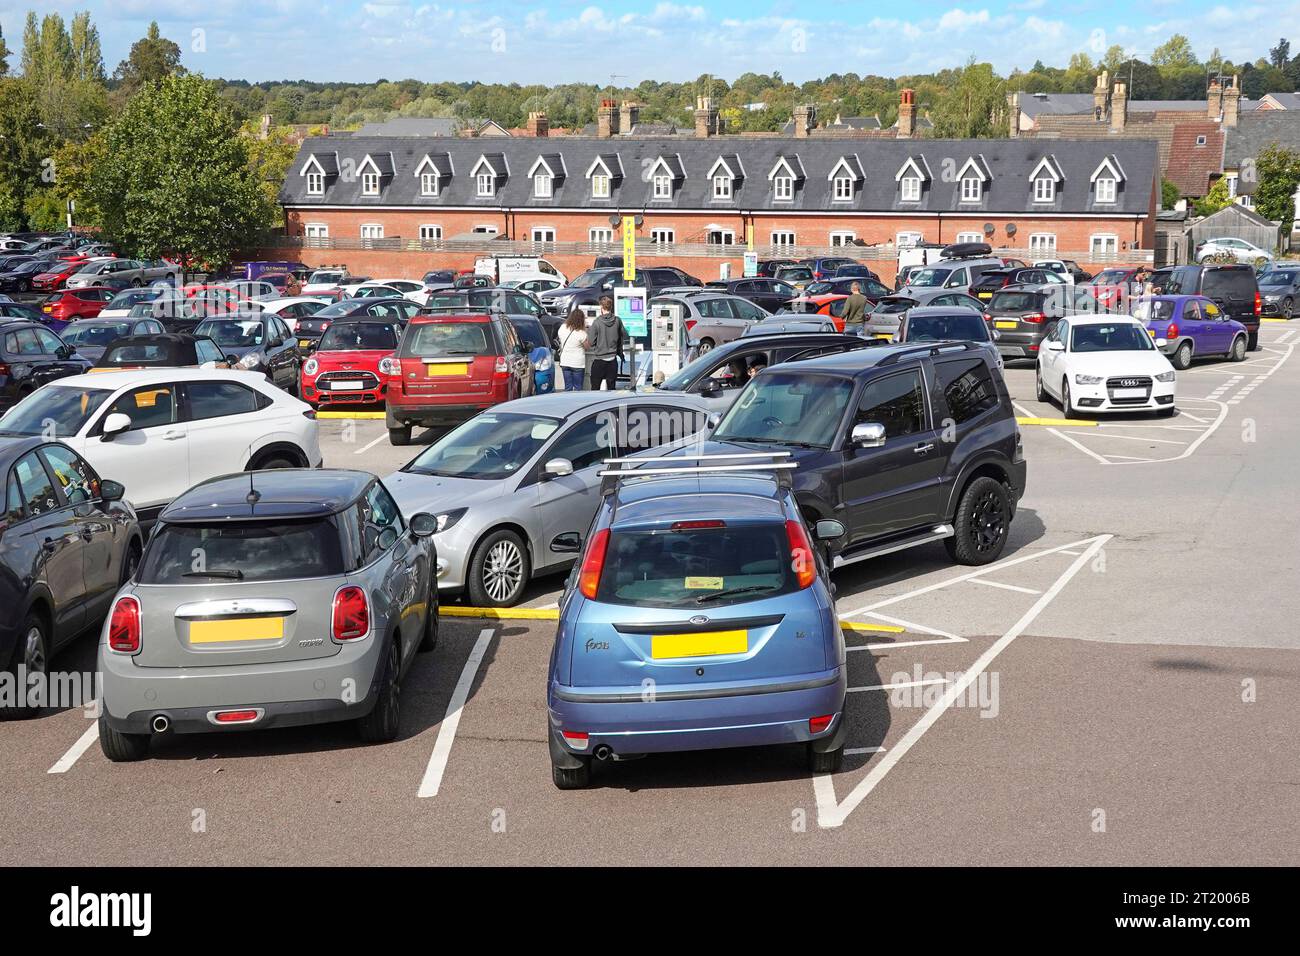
(565, 403)
(810, 338)
(12, 448)
(721, 495)
(923, 310)
(280, 493)
(423, 318)
(127, 378)
(1086, 319)
(850, 362)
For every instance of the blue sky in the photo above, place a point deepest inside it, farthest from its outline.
(553, 42)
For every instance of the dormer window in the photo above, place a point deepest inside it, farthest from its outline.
(428, 184)
(971, 189)
(315, 184)
(599, 186)
(1044, 189)
(542, 186)
(370, 184)
(663, 186)
(1105, 189)
(783, 188)
(909, 189)
(485, 184)
(722, 187)
(843, 188)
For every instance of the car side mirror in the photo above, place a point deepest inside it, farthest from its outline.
(570, 542)
(110, 490)
(713, 420)
(1054, 346)
(423, 524)
(114, 425)
(996, 334)
(868, 435)
(711, 387)
(828, 529)
(557, 468)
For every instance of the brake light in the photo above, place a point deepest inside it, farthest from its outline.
(690, 324)
(575, 739)
(4, 369)
(502, 367)
(693, 525)
(1257, 303)
(235, 716)
(124, 626)
(351, 618)
(817, 724)
(1034, 317)
(801, 553)
(1172, 331)
(593, 563)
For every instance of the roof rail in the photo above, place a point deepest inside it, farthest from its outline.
(610, 477)
(928, 349)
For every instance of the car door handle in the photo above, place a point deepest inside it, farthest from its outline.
(173, 435)
(922, 449)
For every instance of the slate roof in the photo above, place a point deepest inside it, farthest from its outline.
(1007, 161)
(412, 126)
(1034, 105)
(1252, 133)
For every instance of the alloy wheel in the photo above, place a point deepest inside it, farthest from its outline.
(503, 570)
(987, 524)
(34, 652)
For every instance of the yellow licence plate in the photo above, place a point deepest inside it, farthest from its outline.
(986, 295)
(230, 630)
(448, 368)
(304, 343)
(702, 644)
(885, 335)
(1151, 332)
(1005, 325)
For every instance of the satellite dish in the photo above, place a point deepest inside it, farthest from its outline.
(639, 220)
(988, 228)
(1011, 229)
(614, 220)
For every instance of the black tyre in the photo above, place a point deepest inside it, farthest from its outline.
(32, 654)
(1040, 393)
(274, 461)
(400, 435)
(1287, 307)
(499, 570)
(429, 640)
(982, 523)
(828, 762)
(1182, 357)
(1067, 407)
(130, 561)
(1252, 345)
(576, 779)
(1238, 351)
(119, 747)
(382, 724)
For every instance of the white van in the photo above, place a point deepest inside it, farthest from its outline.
(516, 269)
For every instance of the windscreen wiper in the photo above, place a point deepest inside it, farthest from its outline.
(233, 574)
(747, 589)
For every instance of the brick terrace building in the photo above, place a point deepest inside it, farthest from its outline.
(396, 205)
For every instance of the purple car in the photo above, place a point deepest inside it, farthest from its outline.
(1190, 326)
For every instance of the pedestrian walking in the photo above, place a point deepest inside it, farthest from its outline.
(573, 350)
(605, 343)
(855, 310)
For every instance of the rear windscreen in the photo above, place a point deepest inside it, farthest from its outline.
(1015, 302)
(144, 352)
(1228, 284)
(362, 336)
(695, 568)
(937, 328)
(242, 551)
(426, 339)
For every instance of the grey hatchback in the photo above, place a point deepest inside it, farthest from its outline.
(269, 599)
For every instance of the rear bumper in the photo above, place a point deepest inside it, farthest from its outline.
(428, 414)
(340, 687)
(670, 724)
(1019, 345)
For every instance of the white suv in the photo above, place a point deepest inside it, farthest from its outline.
(159, 431)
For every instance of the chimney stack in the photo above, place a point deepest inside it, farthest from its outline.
(906, 114)
(629, 115)
(1013, 109)
(264, 128)
(1101, 95)
(1118, 108)
(1214, 99)
(607, 119)
(538, 124)
(706, 117)
(805, 120)
(1231, 104)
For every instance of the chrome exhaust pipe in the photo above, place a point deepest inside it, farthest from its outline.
(603, 752)
(160, 724)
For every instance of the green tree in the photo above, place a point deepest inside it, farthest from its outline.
(1277, 174)
(974, 105)
(151, 59)
(1169, 194)
(87, 57)
(25, 147)
(1217, 198)
(31, 46)
(4, 55)
(1176, 51)
(1279, 54)
(174, 177)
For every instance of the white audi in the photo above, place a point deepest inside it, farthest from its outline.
(160, 431)
(1104, 363)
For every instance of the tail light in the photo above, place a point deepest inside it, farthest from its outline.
(1033, 317)
(575, 739)
(818, 724)
(124, 626)
(696, 525)
(4, 369)
(1172, 331)
(388, 365)
(690, 324)
(593, 563)
(988, 316)
(235, 716)
(502, 367)
(801, 553)
(1258, 303)
(351, 618)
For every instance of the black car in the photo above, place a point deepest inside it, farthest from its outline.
(871, 433)
(587, 289)
(1280, 291)
(1024, 315)
(769, 267)
(21, 310)
(1233, 288)
(91, 336)
(258, 343)
(169, 350)
(439, 279)
(946, 324)
(311, 327)
(718, 370)
(770, 294)
(985, 285)
(67, 543)
(30, 356)
(18, 278)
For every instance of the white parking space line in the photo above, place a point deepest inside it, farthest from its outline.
(900, 684)
(369, 445)
(911, 626)
(64, 763)
(850, 751)
(1008, 587)
(1281, 339)
(831, 812)
(1079, 445)
(890, 645)
(1073, 554)
(1161, 441)
(447, 732)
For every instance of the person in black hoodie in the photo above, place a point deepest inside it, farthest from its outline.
(605, 343)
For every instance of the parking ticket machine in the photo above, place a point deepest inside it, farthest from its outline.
(667, 340)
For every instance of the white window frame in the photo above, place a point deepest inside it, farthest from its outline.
(842, 237)
(908, 239)
(543, 186)
(728, 236)
(783, 238)
(970, 237)
(315, 232)
(972, 189)
(485, 185)
(369, 184)
(1044, 189)
(909, 189)
(429, 184)
(722, 186)
(843, 188)
(783, 188)
(315, 184)
(663, 235)
(599, 186)
(430, 232)
(1107, 239)
(372, 230)
(541, 234)
(1106, 189)
(663, 186)
(1042, 245)
(601, 235)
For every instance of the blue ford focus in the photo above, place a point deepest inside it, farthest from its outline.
(699, 616)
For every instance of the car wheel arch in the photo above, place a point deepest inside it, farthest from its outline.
(274, 448)
(984, 467)
(40, 603)
(513, 527)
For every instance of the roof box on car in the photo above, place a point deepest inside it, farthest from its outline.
(966, 250)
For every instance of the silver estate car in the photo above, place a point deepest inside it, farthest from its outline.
(269, 599)
(514, 489)
(883, 320)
